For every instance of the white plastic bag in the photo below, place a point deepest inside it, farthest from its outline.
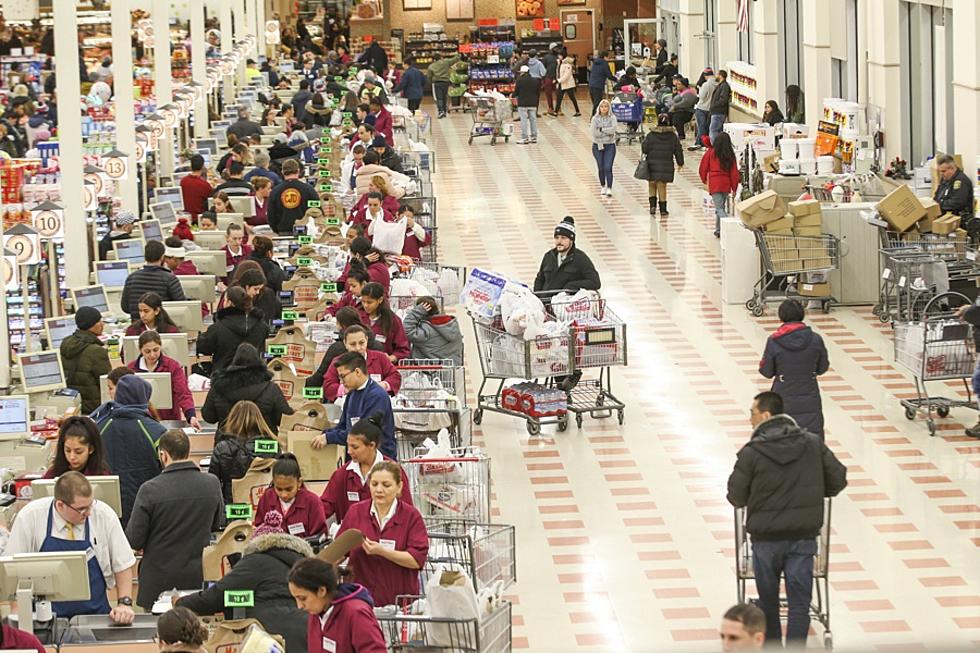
(522, 311)
(450, 595)
(389, 237)
(580, 306)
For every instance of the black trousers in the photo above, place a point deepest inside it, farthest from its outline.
(570, 93)
(596, 94)
(413, 105)
(442, 96)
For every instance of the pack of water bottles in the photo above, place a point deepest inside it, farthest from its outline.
(534, 400)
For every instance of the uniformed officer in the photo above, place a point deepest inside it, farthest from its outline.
(955, 192)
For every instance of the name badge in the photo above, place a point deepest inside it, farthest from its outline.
(89, 554)
(376, 378)
(379, 338)
(329, 645)
(296, 529)
(388, 544)
(354, 420)
(353, 496)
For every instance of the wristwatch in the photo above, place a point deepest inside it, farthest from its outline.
(126, 601)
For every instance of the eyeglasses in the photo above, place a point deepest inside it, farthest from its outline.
(345, 374)
(83, 511)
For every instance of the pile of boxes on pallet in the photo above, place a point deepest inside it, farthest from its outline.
(792, 233)
(912, 216)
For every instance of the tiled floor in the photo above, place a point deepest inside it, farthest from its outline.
(624, 535)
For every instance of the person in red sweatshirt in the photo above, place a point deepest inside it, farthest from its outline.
(152, 316)
(195, 189)
(719, 172)
(387, 327)
(348, 485)
(236, 249)
(17, 640)
(380, 368)
(175, 258)
(151, 359)
(301, 509)
(369, 258)
(383, 122)
(356, 280)
(341, 617)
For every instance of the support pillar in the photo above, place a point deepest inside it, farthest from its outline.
(817, 78)
(765, 48)
(727, 35)
(163, 78)
(227, 44)
(966, 83)
(122, 61)
(199, 57)
(691, 27)
(884, 73)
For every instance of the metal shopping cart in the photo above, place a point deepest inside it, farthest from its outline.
(432, 397)
(820, 604)
(486, 552)
(788, 258)
(940, 347)
(451, 488)
(488, 118)
(442, 282)
(416, 632)
(628, 109)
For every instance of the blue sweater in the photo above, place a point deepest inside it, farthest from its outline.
(599, 73)
(360, 404)
(412, 83)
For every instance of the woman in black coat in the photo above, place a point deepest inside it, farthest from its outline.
(234, 324)
(795, 356)
(263, 569)
(246, 379)
(661, 148)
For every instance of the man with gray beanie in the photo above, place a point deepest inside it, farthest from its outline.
(124, 222)
(565, 267)
(84, 357)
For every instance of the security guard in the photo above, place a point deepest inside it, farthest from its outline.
(955, 192)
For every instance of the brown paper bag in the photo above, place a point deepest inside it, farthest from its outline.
(316, 312)
(249, 488)
(315, 464)
(311, 416)
(215, 558)
(229, 635)
(288, 381)
(300, 350)
(305, 287)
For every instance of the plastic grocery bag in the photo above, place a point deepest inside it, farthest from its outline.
(522, 311)
(389, 237)
(449, 595)
(580, 306)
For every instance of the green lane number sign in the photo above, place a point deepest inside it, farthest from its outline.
(266, 446)
(239, 599)
(234, 511)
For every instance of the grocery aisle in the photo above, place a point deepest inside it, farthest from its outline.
(624, 534)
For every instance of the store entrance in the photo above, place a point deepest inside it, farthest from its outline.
(578, 30)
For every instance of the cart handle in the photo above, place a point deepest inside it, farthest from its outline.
(469, 459)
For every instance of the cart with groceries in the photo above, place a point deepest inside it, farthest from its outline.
(408, 628)
(790, 266)
(628, 109)
(489, 114)
(432, 397)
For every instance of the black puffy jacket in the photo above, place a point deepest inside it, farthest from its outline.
(575, 273)
(782, 476)
(230, 459)
(662, 149)
(233, 384)
(795, 356)
(231, 328)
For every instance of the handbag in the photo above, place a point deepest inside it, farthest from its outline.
(642, 170)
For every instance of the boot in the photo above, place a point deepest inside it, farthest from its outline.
(653, 206)
(974, 431)
(663, 210)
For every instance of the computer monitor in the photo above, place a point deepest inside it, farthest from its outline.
(210, 240)
(209, 144)
(205, 154)
(244, 205)
(223, 124)
(41, 371)
(57, 329)
(104, 488)
(56, 576)
(271, 129)
(151, 230)
(15, 417)
(202, 287)
(209, 261)
(129, 250)
(162, 396)
(174, 346)
(286, 67)
(111, 274)
(170, 194)
(165, 213)
(93, 296)
(186, 315)
(225, 219)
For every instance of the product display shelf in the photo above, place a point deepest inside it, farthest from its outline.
(423, 48)
(499, 32)
(391, 47)
(743, 78)
(541, 41)
(490, 66)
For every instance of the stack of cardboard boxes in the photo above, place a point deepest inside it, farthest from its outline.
(911, 216)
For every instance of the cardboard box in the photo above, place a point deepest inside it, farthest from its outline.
(811, 220)
(808, 231)
(761, 209)
(779, 232)
(783, 224)
(771, 163)
(934, 175)
(932, 207)
(946, 224)
(801, 208)
(814, 289)
(901, 209)
(314, 464)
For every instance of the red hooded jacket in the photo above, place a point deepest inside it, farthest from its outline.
(717, 179)
(350, 625)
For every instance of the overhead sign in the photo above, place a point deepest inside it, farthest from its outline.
(24, 242)
(48, 219)
(9, 270)
(272, 32)
(90, 199)
(116, 165)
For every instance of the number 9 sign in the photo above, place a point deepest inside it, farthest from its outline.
(26, 247)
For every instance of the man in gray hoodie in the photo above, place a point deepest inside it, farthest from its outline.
(433, 335)
(703, 107)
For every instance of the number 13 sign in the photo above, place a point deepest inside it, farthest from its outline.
(116, 165)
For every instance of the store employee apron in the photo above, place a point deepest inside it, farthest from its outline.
(98, 602)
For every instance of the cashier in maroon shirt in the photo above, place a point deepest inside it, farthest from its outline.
(300, 508)
(348, 485)
(79, 449)
(195, 189)
(396, 542)
(17, 640)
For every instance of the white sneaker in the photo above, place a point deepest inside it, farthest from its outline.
(609, 191)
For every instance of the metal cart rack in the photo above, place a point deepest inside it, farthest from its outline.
(820, 604)
(443, 283)
(452, 488)
(789, 257)
(432, 397)
(938, 348)
(595, 338)
(486, 552)
(411, 632)
(488, 118)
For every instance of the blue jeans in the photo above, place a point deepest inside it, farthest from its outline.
(794, 560)
(721, 209)
(529, 122)
(976, 381)
(716, 125)
(701, 122)
(604, 162)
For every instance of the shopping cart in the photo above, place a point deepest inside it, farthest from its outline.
(940, 347)
(788, 258)
(486, 552)
(432, 397)
(820, 604)
(454, 487)
(417, 632)
(442, 282)
(488, 118)
(628, 109)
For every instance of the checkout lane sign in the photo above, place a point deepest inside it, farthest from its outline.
(239, 599)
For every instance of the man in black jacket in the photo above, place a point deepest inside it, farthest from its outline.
(566, 267)
(781, 478)
(548, 82)
(289, 200)
(154, 276)
(387, 156)
(527, 90)
(720, 100)
(172, 521)
(243, 128)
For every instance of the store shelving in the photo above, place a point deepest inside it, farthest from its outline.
(743, 78)
(422, 47)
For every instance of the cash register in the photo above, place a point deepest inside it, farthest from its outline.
(43, 379)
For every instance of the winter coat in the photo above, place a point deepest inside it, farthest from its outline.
(715, 177)
(774, 118)
(412, 84)
(599, 73)
(526, 90)
(603, 129)
(720, 99)
(566, 75)
(550, 61)
(172, 521)
(795, 356)
(704, 94)
(182, 401)
(576, 272)
(130, 437)
(230, 459)
(683, 101)
(439, 71)
(150, 278)
(662, 149)
(231, 328)
(288, 204)
(781, 477)
(438, 337)
(274, 275)
(379, 367)
(351, 625)
(263, 569)
(84, 359)
(391, 159)
(236, 383)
